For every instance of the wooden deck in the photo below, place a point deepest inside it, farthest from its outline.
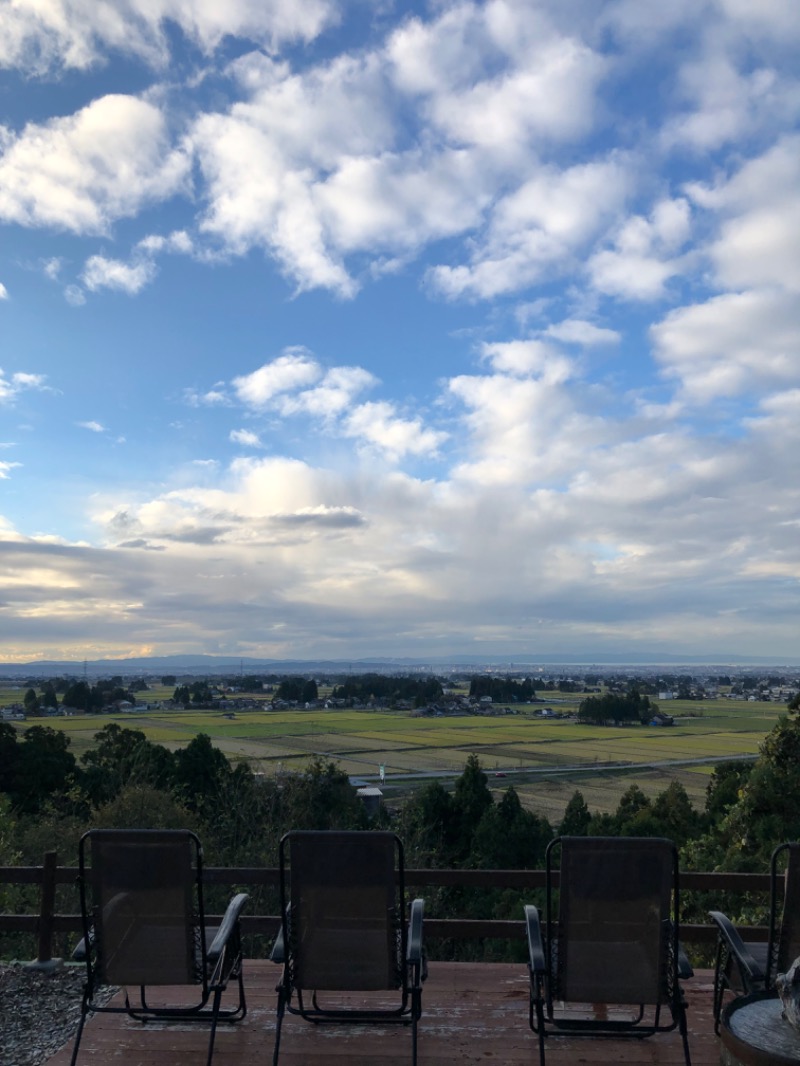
(472, 1013)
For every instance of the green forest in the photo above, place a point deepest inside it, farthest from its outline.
(48, 798)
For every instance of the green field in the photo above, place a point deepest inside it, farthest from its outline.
(546, 759)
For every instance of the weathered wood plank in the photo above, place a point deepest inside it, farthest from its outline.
(472, 1013)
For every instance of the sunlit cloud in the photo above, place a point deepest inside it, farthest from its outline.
(130, 278)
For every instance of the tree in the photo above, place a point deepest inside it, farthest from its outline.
(471, 799)
(632, 707)
(8, 755)
(121, 757)
(674, 815)
(49, 697)
(83, 697)
(428, 826)
(199, 768)
(144, 807)
(767, 812)
(322, 798)
(725, 788)
(510, 838)
(309, 693)
(44, 768)
(576, 818)
(31, 702)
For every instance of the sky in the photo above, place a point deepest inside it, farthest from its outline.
(353, 328)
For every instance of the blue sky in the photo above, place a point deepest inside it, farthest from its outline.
(354, 328)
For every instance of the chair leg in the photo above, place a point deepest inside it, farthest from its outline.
(279, 1023)
(685, 1038)
(536, 1020)
(540, 1033)
(214, 1019)
(79, 1033)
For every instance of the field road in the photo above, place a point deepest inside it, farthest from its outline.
(365, 780)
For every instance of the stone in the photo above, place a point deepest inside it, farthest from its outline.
(788, 986)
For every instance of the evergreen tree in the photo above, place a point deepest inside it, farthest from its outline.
(576, 818)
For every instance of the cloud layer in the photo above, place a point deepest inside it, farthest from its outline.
(592, 214)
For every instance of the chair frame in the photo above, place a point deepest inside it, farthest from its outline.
(745, 968)
(216, 963)
(544, 944)
(414, 967)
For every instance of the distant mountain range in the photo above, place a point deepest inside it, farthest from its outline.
(184, 665)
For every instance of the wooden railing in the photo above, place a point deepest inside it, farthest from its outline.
(46, 923)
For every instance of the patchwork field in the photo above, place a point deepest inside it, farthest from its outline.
(545, 759)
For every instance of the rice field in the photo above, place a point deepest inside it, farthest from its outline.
(545, 759)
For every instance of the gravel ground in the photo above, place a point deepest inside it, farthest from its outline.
(39, 1012)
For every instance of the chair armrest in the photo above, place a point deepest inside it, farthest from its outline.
(685, 969)
(414, 949)
(278, 953)
(533, 928)
(750, 969)
(228, 925)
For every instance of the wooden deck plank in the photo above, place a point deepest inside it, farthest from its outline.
(472, 1013)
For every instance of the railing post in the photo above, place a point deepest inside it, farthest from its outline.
(47, 911)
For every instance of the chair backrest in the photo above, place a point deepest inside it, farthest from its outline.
(345, 921)
(616, 932)
(785, 947)
(142, 903)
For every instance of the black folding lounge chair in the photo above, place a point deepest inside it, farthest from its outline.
(608, 962)
(747, 968)
(344, 930)
(144, 925)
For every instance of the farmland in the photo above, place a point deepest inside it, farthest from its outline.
(545, 759)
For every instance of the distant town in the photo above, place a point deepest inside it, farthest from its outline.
(420, 692)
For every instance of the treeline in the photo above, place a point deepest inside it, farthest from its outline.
(80, 695)
(630, 707)
(502, 689)
(367, 687)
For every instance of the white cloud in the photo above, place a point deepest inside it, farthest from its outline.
(642, 260)
(332, 396)
(729, 104)
(215, 397)
(731, 344)
(74, 295)
(379, 426)
(520, 429)
(578, 331)
(11, 387)
(3, 292)
(81, 33)
(131, 278)
(93, 427)
(245, 437)
(280, 388)
(178, 242)
(6, 468)
(360, 154)
(525, 358)
(85, 171)
(537, 231)
(290, 371)
(544, 88)
(760, 214)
